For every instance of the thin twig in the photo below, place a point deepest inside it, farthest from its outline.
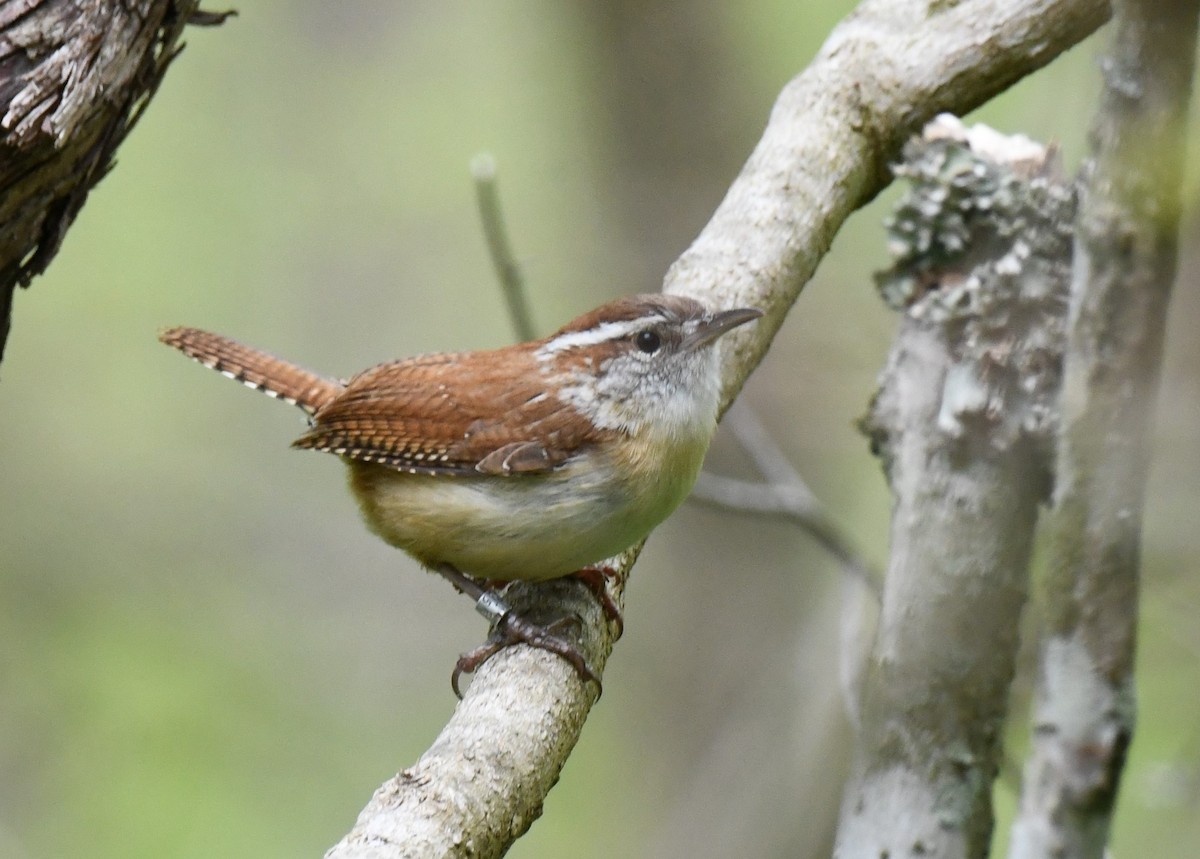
(784, 494)
(483, 170)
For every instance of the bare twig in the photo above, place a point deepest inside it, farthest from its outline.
(834, 130)
(483, 169)
(1124, 266)
(784, 494)
(793, 504)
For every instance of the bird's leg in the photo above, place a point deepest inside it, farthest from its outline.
(508, 628)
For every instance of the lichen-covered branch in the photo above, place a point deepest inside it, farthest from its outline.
(964, 423)
(1124, 267)
(74, 77)
(884, 71)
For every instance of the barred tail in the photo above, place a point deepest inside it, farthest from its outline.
(254, 368)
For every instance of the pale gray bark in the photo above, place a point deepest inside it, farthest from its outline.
(481, 784)
(888, 68)
(963, 421)
(1124, 267)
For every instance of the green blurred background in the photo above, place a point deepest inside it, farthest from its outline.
(203, 653)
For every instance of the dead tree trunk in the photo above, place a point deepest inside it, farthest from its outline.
(75, 75)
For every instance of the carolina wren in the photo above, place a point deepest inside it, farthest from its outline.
(527, 462)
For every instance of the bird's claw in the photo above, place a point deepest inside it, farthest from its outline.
(511, 629)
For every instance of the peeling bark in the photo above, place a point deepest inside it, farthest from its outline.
(75, 76)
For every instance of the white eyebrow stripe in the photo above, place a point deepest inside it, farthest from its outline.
(601, 333)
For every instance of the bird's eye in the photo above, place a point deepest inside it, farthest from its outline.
(648, 341)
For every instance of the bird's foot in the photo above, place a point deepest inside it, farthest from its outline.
(510, 628)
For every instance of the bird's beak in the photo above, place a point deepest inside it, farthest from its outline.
(708, 330)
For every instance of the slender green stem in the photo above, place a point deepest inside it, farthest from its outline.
(483, 170)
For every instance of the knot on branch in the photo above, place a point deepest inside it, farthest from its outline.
(981, 243)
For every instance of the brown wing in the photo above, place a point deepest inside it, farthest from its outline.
(469, 413)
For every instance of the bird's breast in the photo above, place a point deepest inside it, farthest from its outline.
(528, 527)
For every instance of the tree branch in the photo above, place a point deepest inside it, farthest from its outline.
(834, 130)
(832, 134)
(481, 784)
(1124, 266)
(784, 494)
(508, 271)
(74, 79)
(963, 421)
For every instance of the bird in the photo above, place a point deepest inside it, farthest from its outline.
(524, 463)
